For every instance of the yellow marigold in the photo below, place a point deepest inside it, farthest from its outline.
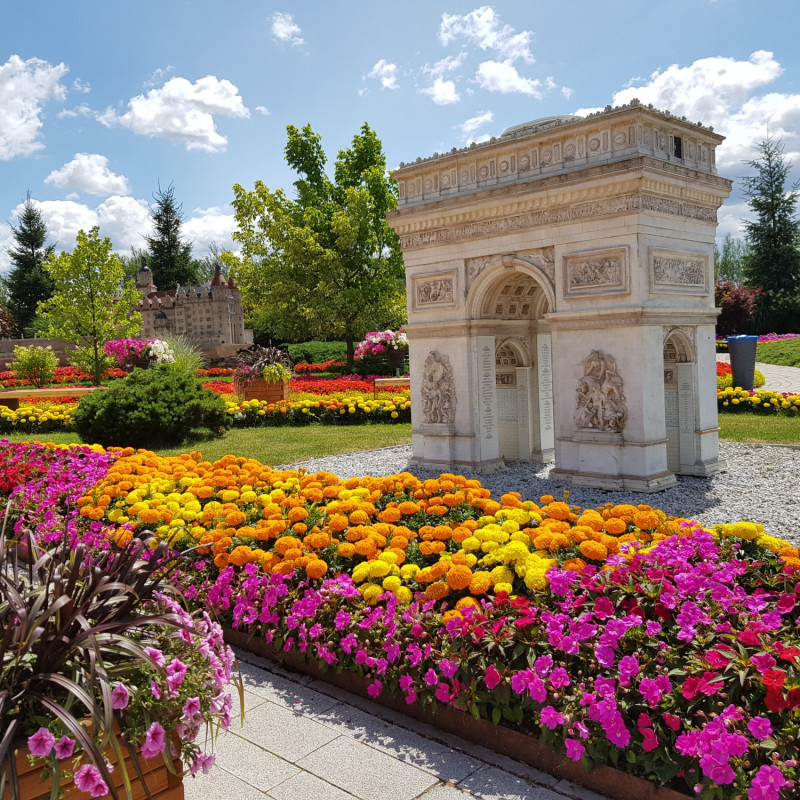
(379, 569)
(437, 590)
(392, 583)
(404, 596)
(502, 574)
(371, 592)
(408, 571)
(593, 550)
(503, 586)
(615, 525)
(535, 580)
(459, 577)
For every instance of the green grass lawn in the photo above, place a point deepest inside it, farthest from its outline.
(785, 353)
(284, 445)
(744, 427)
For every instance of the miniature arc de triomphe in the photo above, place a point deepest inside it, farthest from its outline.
(561, 299)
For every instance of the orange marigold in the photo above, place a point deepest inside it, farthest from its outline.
(615, 526)
(437, 590)
(593, 550)
(408, 508)
(346, 550)
(459, 577)
(437, 511)
(338, 522)
(359, 517)
(297, 514)
(285, 543)
(461, 532)
(399, 541)
(624, 511)
(480, 584)
(574, 564)
(316, 568)
(646, 520)
(442, 532)
(390, 515)
(365, 547)
(300, 528)
(557, 510)
(240, 556)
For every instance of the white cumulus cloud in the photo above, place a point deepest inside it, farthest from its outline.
(386, 73)
(285, 29)
(183, 112)
(483, 27)
(263, 110)
(89, 172)
(502, 76)
(210, 226)
(442, 92)
(25, 86)
(470, 127)
(724, 93)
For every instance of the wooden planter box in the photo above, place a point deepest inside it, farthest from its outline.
(160, 782)
(259, 389)
(515, 744)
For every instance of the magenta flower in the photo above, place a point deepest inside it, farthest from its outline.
(443, 692)
(431, 678)
(191, 707)
(374, 689)
(575, 749)
(448, 668)
(154, 741)
(760, 727)
(156, 655)
(492, 677)
(551, 718)
(649, 739)
(88, 779)
(41, 743)
(767, 783)
(559, 678)
(64, 747)
(120, 697)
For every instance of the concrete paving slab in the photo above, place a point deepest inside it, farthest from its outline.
(491, 783)
(282, 691)
(366, 772)
(284, 733)
(445, 791)
(305, 786)
(219, 784)
(254, 765)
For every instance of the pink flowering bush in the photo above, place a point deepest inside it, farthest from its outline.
(376, 342)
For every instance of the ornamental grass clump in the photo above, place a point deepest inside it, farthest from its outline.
(99, 657)
(270, 363)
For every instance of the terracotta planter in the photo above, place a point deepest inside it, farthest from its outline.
(259, 389)
(160, 782)
(515, 744)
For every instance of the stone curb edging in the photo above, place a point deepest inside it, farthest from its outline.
(520, 746)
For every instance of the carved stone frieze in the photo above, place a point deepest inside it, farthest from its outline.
(581, 211)
(438, 389)
(434, 290)
(597, 272)
(600, 397)
(544, 258)
(674, 271)
(474, 267)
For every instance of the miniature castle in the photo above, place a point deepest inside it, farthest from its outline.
(210, 315)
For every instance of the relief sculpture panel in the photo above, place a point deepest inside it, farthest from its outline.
(599, 272)
(600, 397)
(438, 389)
(434, 290)
(672, 271)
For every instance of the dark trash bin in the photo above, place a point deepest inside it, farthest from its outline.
(742, 350)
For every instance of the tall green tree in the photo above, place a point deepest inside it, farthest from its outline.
(324, 264)
(730, 260)
(87, 306)
(170, 257)
(28, 283)
(773, 236)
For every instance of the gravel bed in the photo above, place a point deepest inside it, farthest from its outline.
(761, 484)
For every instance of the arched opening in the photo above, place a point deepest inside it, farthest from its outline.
(679, 410)
(508, 306)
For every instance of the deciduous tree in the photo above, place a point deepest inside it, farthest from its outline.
(28, 283)
(325, 264)
(88, 307)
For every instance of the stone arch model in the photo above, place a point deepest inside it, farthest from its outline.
(583, 246)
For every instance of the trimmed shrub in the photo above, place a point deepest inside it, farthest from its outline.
(317, 352)
(149, 408)
(36, 365)
(738, 307)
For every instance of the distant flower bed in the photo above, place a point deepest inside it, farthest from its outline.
(762, 401)
(725, 376)
(64, 375)
(352, 410)
(303, 368)
(216, 372)
(722, 343)
(347, 383)
(617, 634)
(40, 417)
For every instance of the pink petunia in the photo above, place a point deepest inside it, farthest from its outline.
(154, 741)
(88, 779)
(64, 747)
(41, 743)
(120, 697)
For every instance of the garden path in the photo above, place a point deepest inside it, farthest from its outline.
(303, 738)
(779, 379)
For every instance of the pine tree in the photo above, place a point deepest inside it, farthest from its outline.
(773, 237)
(170, 257)
(28, 283)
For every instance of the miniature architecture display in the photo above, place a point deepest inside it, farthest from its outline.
(561, 299)
(210, 315)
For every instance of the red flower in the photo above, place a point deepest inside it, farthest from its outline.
(672, 721)
(774, 679)
(749, 638)
(492, 677)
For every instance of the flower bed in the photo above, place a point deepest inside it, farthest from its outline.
(64, 375)
(304, 368)
(617, 634)
(763, 401)
(353, 410)
(725, 376)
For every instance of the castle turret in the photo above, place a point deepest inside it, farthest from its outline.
(144, 278)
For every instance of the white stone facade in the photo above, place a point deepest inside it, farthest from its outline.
(562, 276)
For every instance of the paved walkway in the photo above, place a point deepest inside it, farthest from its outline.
(305, 740)
(779, 379)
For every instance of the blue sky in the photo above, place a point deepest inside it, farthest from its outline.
(100, 101)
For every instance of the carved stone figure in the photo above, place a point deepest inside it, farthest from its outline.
(601, 400)
(435, 291)
(438, 389)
